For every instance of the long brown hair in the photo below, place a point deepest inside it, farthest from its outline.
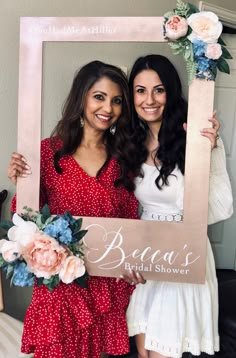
(171, 137)
(69, 131)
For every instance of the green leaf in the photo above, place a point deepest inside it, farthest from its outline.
(2, 261)
(79, 235)
(6, 224)
(11, 281)
(52, 282)
(188, 54)
(39, 222)
(223, 66)
(191, 70)
(82, 281)
(10, 271)
(49, 220)
(214, 72)
(192, 9)
(77, 225)
(221, 42)
(225, 53)
(39, 281)
(175, 45)
(181, 8)
(45, 213)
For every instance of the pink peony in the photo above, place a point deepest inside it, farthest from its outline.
(213, 51)
(73, 267)
(44, 255)
(9, 250)
(206, 27)
(176, 27)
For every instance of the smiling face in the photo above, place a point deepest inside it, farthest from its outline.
(103, 104)
(149, 96)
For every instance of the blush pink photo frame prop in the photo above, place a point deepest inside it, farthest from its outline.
(165, 251)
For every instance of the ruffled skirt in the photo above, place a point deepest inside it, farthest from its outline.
(177, 318)
(76, 322)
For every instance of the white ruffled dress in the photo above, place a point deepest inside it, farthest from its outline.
(180, 317)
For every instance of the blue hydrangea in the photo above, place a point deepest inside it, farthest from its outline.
(22, 276)
(203, 64)
(60, 230)
(212, 63)
(69, 218)
(199, 48)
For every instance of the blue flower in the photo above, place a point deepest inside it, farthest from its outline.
(212, 63)
(203, 64)
(22, 276)
(66, 236)
(68, 217)
(60, 230)
(199, 48)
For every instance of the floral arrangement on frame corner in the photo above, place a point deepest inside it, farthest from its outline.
(41, 248)
(196, 35)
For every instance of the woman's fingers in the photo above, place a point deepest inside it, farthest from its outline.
(212, 133)
(17, 167)
(133, 278)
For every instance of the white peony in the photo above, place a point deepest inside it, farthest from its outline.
(23, 230)
(206, 27)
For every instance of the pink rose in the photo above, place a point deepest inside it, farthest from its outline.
(206, 27)
(9, 250)
(72, 268)
(213, 51)
(44, 255)
(176, 27)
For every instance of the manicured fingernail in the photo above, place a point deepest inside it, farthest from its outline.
(27, 166)
(138, 274)
(24, 160)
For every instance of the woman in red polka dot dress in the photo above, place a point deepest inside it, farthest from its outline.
(85, 168)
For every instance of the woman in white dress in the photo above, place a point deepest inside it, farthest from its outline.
(171, 318)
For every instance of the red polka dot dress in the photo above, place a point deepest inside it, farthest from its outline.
(75, 322)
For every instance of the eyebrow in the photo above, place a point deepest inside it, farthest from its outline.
(105, 94)
(160, 85)
(97, 91)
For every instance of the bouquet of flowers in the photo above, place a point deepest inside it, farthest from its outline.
(196, 35)
(39, 246)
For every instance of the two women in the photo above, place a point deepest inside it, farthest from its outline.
(85, 161)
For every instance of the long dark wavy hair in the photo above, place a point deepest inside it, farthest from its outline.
(69, 131)
(171, 136)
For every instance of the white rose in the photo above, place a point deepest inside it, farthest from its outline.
(72, 268)
(23, 230)
(10, 250)
(206, 27)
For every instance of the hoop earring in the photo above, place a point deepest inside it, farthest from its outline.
(81, 122)
(113, 129)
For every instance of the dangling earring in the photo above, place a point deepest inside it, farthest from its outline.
(81, 122)
(113, 129)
